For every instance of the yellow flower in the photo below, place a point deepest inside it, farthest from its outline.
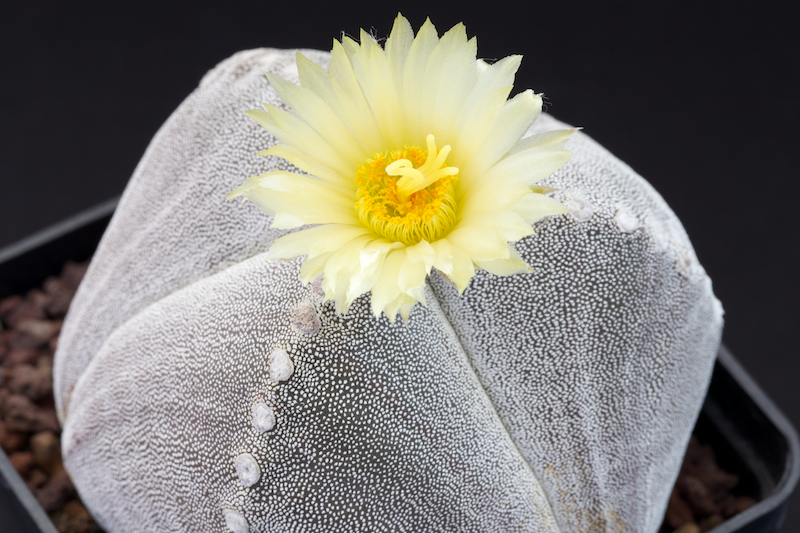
(415, 162)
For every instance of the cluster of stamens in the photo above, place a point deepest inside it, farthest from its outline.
(407, 195)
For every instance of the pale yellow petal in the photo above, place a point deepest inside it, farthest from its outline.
(397, 47)
(450, 75)
(534, 206)
(386, 289)
(391, 308)
(371, 260)
(471, 131)
(296, 200)
(340, 269)
(315, 241)
(319, 81)
(308, 186)
(263, 119)
(514, 264)
(294, 217)
(413, 81)
(443, 260)
(312, 268)
(354, 104)
(422, 252)
(296, 132)
(555, 139)
(406, 306)
(310, 164)
(463, 268)
(375, 78)
(417, 265)
(481, 244)
(484, 103)
(490, 197)
(319, 115)
(411, 279)
(512, 122)
(509, 224)
(528, 167)
(278, 189)
(383, 98)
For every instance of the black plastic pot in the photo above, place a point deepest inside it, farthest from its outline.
(750, 435)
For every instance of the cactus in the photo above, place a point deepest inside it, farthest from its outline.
(203, 386)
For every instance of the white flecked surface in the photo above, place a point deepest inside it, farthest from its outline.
(560, 400)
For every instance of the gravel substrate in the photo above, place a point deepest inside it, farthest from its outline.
(704, 495)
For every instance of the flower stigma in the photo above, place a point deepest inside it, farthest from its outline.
(407, 195)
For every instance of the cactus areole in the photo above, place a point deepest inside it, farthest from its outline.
(225, 370)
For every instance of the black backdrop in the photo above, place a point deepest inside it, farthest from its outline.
(700, 98)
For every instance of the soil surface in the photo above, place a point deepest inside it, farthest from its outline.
(704, 495)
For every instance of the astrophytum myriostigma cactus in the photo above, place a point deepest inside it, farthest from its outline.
(203, 386)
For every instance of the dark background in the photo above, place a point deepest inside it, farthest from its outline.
(700, 98)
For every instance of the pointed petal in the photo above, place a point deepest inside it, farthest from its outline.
(463, 268)
(354, 104)
(296, 200)
(315, 241)
(312, 268)
(413, 80)
(450, 75)
(296, 132)
(490, 197)
(484, 103)
(397, 46)
(528, 167)
(555, 139)
(406, 306)
(340, 269)
(309, 164)
(509, 224)
(380, 90)
(534, 206)
(474, 125)
(481, 244)
(443, 261)
(514, 119)
(372, 258)
(386, 289)
(319, 115)
(514, 264)
(411, 278)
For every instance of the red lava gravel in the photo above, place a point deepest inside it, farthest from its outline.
(29, 431)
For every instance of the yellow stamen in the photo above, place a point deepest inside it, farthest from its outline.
(419, 205)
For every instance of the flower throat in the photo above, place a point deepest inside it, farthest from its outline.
(407, 195)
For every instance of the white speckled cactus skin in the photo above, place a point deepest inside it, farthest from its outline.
(202, 387)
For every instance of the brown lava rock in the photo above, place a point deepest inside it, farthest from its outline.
(29, 431)
(55, 492)
(20, 414)
(30, 381)
(702, 498)
(23, 462)
(10, 440)
(46, 448)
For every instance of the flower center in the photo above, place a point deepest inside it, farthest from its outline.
(407, 195)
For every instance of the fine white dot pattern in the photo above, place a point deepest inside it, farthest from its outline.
(204, 388)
